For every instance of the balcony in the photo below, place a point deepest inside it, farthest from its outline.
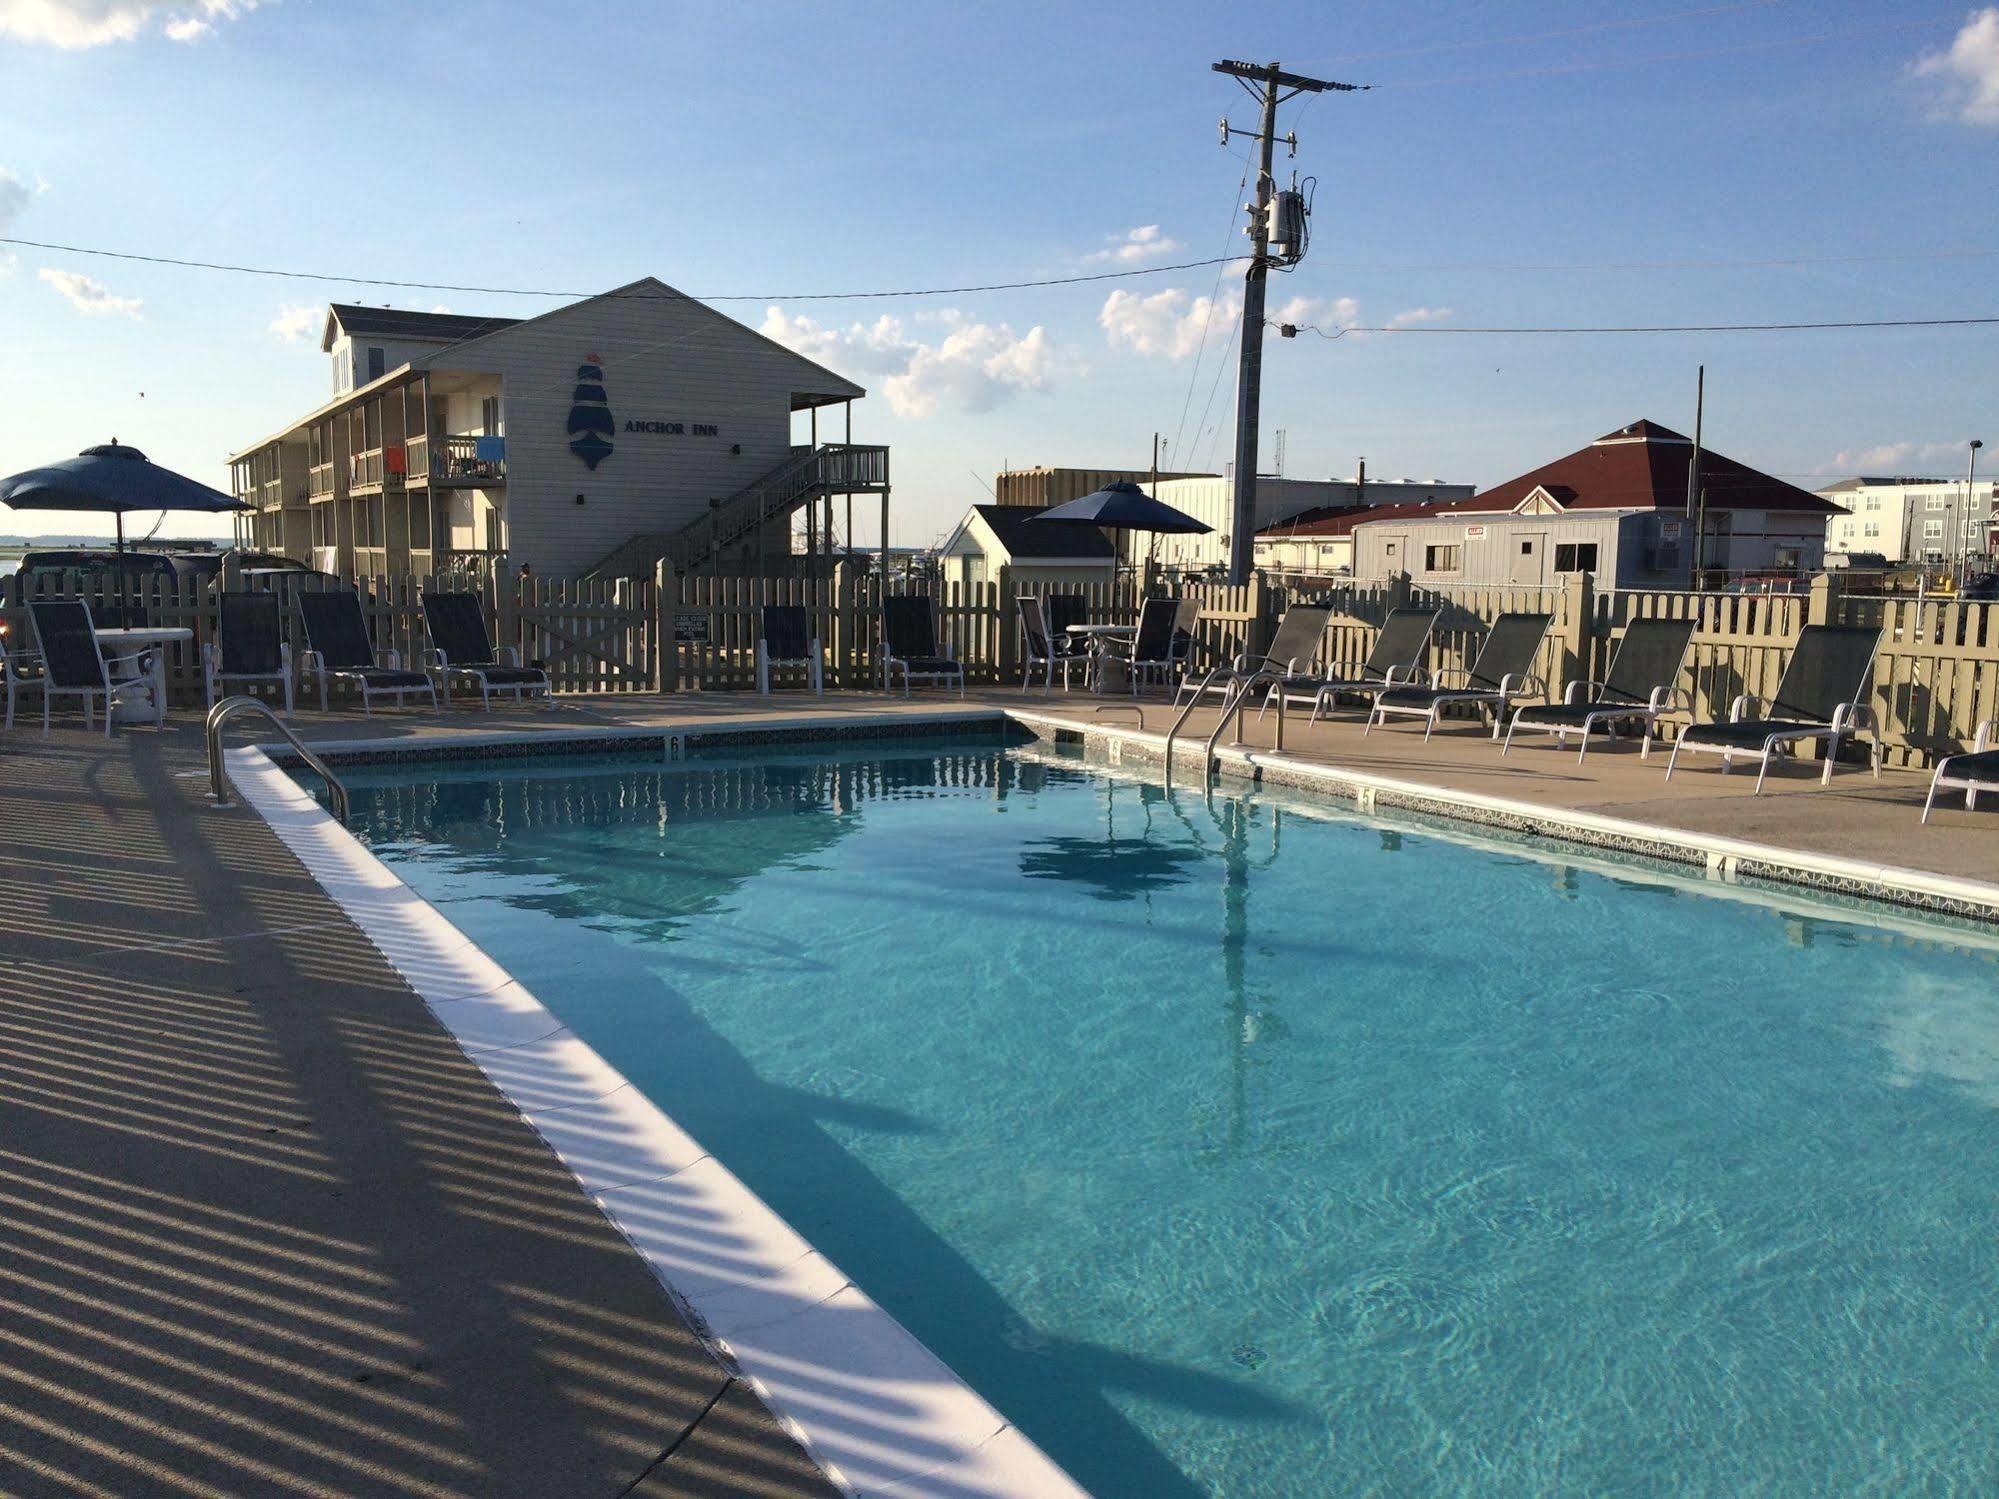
(378, 468)
(319, 483)
(443, 460)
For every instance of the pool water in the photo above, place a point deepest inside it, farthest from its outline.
(1242, 1147)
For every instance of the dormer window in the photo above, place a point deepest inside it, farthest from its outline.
(377, 363)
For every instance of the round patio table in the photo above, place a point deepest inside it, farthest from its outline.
(123, 641)
(1094, 636)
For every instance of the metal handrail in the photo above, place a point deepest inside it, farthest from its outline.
(1232, 714)
(1180, 722)
(1121, 708)
(227, 709)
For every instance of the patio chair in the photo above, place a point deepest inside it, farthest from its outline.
(785, 638)
(1971, 772)
(1819, 697)
(1064, 610)
(74, 664)
(20, 672)
(460, 647)
(1160, 649)
(338, 650)
(1637, 689)
(1395, 658)
(1503, 671)
(1294, 652)
(909, 645)
(249, 645)
(1044, 649)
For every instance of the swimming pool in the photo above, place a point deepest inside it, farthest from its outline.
(1245, 1147)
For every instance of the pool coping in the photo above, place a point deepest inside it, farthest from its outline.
(1723, 858)
(771, 1308)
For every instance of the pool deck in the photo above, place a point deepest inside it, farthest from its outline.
(267, 1229)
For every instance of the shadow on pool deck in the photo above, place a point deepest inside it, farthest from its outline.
(263, 1227)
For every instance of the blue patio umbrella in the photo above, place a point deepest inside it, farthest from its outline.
(111, 478)
(1124, 507)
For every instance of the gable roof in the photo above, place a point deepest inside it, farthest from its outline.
(1023, 542)
(1644, 467)
(392, 323)
(1339, 520)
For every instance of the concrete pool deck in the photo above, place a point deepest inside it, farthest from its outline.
(268, 1229)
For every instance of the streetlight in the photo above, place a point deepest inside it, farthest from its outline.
(1970, 481)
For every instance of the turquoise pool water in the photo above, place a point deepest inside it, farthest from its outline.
(1242, 1148)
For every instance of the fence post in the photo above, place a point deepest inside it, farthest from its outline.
(1579, 607)
(1007, 652)
(1819, 603)
(1257, 605)
(1398, 590)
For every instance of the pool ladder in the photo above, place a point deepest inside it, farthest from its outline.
(218, 784)
(1234, 700)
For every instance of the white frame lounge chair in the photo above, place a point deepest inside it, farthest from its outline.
(460, 647)
(338, 650)
(1818, 698)
(1503, 671)
(1970, 771)
(1639, 686)
(1039, 647)
(13, 680)
(74, 664)
(785, 638)
(909, 644)
(249, 638)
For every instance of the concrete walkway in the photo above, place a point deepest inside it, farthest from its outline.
(264, 1229)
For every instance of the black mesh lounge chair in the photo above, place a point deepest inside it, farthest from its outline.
(1972, 772)
(74, 665)
(1819, 697)
(785, 638)
(1158, 651)
(1064, 610)
(1637, 689)
(909, 645)
(249, 645)
(20, 671)
(1294, 652)
(338, 650)
(1041, 649)
(460, 647)
(1503, 671)
(1395, 658)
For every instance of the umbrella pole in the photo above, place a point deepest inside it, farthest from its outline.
(124, 601)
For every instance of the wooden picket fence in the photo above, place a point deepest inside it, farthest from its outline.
(1936, 678)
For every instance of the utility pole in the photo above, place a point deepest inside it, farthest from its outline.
(1271, 86)
(1696, 500)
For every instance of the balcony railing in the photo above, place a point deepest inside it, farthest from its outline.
(320, 480)
(378, 468)
(447, 459)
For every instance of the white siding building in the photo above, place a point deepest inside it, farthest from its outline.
(1212, 499)
(1913, 521)
(639, 422)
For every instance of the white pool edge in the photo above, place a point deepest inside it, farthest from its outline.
(773, 1309)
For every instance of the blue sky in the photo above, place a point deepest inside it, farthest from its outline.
(781, 148)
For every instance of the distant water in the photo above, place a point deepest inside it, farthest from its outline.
(1235, 1151)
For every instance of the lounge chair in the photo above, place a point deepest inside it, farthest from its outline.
(1637, 688)
(1971, 772)
(1503, 671)
(20, 671)
(1294, 652)
(1395, 658)
(1819, 697)
(1160, 648)
(909, 645)
(1045, 650)
(460, 647)
(1064, 610)
(249, 645)
(785, 638)
(338, 650)
(74, 664)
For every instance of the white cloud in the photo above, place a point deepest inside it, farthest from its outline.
(1967, 75)
(1135, 246)
(94, 23)
(88, 296)
(1415, 315)
(974, 367)
(14, 197)
(1166, 324)
(1896, 457)
(297, 321)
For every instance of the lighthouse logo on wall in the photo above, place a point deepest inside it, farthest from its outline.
(590, 426)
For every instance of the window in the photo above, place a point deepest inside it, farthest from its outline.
(1441, 559)
(1575, 556)
(1939, 502)
(1788, 559)
(1874, 528)
(1932, 530)
(1874, 502)
(489, 416)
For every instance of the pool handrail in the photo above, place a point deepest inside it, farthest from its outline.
(218, 784)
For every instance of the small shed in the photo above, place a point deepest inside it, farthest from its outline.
(1053, 556)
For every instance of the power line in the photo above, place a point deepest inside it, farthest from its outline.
(1920, 322)
(524, 291)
